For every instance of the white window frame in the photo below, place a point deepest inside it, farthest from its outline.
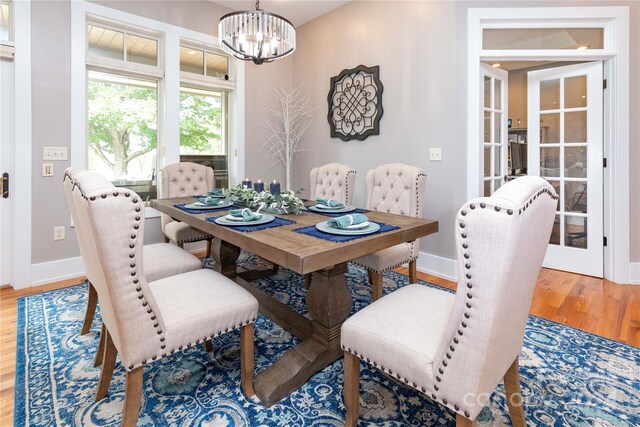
(615, 54)
(169, 88)
(7, 47)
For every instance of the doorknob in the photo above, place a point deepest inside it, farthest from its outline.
(5, 185)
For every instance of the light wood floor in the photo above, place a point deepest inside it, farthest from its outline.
(593, 305)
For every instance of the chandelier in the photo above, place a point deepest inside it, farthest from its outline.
(256, 35)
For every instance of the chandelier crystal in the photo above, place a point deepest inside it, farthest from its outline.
(256, 35)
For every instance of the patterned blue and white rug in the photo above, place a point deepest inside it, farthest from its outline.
(570, 378)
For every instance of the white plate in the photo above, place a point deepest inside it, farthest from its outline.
(371, 228)
(344, 209)
(319, 206)
(239, 218)
(264, 220)
(200, 205)
(356, 226)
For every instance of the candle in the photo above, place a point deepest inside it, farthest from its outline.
(246, 183)
(259, 186)
(274, 188)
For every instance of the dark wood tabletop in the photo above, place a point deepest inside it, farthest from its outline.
(328, 298)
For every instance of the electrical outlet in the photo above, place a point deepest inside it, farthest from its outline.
(54, 153)
(58, 233)
(47, 169)
(435, 154)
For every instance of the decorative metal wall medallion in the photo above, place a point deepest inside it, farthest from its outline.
(355, 103)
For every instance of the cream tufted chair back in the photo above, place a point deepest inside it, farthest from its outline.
(396, 188)
(332, 181)
(183, 179)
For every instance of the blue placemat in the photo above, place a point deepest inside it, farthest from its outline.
(278, 222)
(335, 215)
(313, 231)
(182, 207)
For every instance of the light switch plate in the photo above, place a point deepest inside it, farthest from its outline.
(435, 154)
(54, 153)
(47, 169)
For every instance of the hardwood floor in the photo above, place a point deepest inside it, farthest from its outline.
(593, 305)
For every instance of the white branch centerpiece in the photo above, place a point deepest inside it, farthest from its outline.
(286, 202)
(289, 118)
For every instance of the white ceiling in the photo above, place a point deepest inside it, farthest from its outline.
(299, 12)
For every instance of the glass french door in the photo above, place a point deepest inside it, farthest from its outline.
(565, 148)
(494, 127)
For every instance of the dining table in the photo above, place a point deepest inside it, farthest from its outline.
(328, 298)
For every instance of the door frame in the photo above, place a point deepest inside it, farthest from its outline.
(615, 56)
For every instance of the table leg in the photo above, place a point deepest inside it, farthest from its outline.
(329, 302)
(225, 255)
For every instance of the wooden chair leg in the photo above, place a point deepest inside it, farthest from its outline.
(108, 363)
(370, 276)
(462, 421)
(247, 359)
(275, 269)
(207, 346)
(514, 396)
(351, 389)
(132, 398)
(97, 360)
(377, 284)
(181, 245)
(92, 302)
(413, 271)
(166, 239)
(208, 253)
(307, 280)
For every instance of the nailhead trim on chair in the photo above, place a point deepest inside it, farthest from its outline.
(469, 296)
(346, 184)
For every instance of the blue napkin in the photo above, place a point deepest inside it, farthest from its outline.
(330, 203)
(216, 192)
(347, 220)
(209, 200)
(246, 214)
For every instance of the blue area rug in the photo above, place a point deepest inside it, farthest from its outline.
(569, 377)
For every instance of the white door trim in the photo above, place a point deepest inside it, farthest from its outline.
(21, 194)
(615, 20)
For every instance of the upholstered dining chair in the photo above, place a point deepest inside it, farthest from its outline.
(331, 181)
(145, 321)
(160, 259)
(181, 180)
(457, 348)
(398, 189)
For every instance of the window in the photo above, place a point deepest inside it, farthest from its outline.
(6, 20)
(203, 62)
(542, 38)
(203, 130)
(121, 45)
(122, 118)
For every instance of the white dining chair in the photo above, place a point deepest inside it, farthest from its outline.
(146, 321)
(181, 180)
(332, 181)
(457, 348)
(395, 188)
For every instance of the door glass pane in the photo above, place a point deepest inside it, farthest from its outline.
(550, 161)
(217, 65)
(487, 92)
(575, 92)
(497, 183)
(575, 126)
(5, 20)
(191, 60)
(487, 126)
(497, 161)
(142, 50)
(575, 231)
(556, 186)
(543, 38)
(105, 42)
(550, 94)
(555, 232)
(575, 197)
(550, 128)
(497, 127)
(487, 161)
(487, 188)
(123, 122)
(497, 94)
(575, 162)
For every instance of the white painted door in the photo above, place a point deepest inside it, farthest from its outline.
(6, 155)
(566, 150)
(494, 127)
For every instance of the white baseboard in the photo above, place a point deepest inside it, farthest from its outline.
(63, 269)
(634, 273)
(444, 268)
(54, 271)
